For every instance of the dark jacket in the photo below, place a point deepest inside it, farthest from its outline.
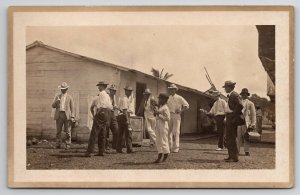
(235, 104)
(141, 109)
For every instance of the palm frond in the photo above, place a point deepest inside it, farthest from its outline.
(161, 73)
(167, 76)
(155, 72)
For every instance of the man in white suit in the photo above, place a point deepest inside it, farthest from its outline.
(176, 105)
(64, 114)
(249, 113)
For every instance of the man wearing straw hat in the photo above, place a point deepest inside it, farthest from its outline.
(64, 114)
(103, 107)
(146, 109)
(218, 111)
(250, 119)
(127, 108)
(176, 105)
(234, 118)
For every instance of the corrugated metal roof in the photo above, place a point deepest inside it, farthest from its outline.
(41, 44)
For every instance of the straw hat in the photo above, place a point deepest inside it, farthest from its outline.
(63, 85)
(147, 91)
(173, 86)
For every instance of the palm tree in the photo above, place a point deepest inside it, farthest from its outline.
(159, 74)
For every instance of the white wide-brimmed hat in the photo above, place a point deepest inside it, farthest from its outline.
(147, 91)
(63, 85)
(173, 86)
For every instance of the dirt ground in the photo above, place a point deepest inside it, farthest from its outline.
(193, 154)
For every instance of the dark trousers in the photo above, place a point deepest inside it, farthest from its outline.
(124, 129)
(99, 128)
(231, 134)
(220, 129)
(114, 128)
(63, 122)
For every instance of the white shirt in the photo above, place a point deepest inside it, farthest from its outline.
(127, 103)
(176, 102)
(219, 107)
(249, 112)
(63, 102)
(102, 100)
(228, 110)
(148, 112)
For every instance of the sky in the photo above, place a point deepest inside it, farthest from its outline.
(228, 52)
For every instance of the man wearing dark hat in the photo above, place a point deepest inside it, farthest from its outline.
(250, 119)
(64, 114)
(127, 108)
(113, 123)
(146, 110)
(162, 114)
(103, 107)
(234, 118)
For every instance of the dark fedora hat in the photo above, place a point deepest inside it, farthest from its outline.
(229, 84)
(245, 91)
(102, 83)
(163, 96)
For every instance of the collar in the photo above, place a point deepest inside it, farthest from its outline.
(230, 93)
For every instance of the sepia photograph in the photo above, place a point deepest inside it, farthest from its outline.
(151, 97)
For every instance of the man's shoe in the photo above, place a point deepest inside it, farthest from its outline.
(231, 160)
(219, 149)
(58, 146)
(158, 158)
(120, 151)
(87, 155)
(247, 154)
(228, 158)
(68, 147)
(165, 157)
(130, 151)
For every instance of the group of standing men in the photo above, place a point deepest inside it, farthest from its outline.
(240, 115)
(162, 119)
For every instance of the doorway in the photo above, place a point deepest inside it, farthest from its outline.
(140, 88)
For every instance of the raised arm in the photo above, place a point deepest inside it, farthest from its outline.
(55, 102)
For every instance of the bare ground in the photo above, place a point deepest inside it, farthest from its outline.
(194, 154)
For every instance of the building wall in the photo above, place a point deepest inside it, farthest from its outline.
(46, 69)
(190, 122)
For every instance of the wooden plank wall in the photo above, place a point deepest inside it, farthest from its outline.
(46, 69)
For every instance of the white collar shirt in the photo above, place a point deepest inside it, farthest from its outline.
(176, 102)
(63, 102)
(102, 100)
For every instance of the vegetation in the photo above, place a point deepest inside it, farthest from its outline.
(161, 74)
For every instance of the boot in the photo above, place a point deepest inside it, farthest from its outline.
(158, 158)
(165, 157)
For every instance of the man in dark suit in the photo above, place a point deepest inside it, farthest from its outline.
(234, 118)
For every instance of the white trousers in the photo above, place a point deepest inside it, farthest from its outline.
(150, 123)
(241, 130)
(174, 132)
(162, 131)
